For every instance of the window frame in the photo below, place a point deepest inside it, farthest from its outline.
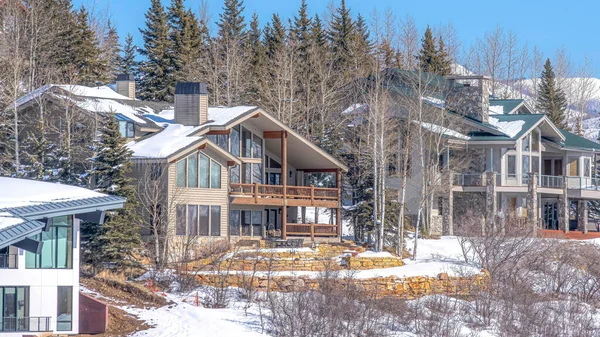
(36, 261)
(58, 303)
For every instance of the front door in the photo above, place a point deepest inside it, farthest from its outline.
(558, 167)
(272, 219)
(547, 167)
(550, 215)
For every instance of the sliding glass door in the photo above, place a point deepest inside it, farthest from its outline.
(14, 305)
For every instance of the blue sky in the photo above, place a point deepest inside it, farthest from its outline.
(549, 24)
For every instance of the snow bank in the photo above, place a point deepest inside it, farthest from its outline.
(371, 254)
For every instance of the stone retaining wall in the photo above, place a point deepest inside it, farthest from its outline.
(363, 263)
(408, 288)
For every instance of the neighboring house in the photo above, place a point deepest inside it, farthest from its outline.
(237, 172)
(529, 169)
(39, 254)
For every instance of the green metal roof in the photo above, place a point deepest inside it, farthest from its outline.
(508, 105)
(574, 141)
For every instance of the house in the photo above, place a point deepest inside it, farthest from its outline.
(526, 169)
(39, 253)
(236, 173)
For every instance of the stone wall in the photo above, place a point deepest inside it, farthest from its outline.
(363, 263)
(408, 288)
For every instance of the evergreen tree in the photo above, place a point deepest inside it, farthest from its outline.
(115, 241)
(127, 63)
(185, 39)
(257, 62)
(274, 36)
(231, 21)
(317, 33)
(89, 66)
(109, 54)
(156, 81)
(428, 55)
(302, 30)
(551, 98)
(341, 36)
(363, 46)
(444, 65)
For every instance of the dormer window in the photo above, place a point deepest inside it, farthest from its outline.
(125, 126)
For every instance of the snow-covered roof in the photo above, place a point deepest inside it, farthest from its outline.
(440, 103)
(510, 128)
(356, 108)
(443, 130)
(164, 143)
(496, 110)
(23, 192)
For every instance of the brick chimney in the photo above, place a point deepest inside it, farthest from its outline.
(469, 96)
(126, 85)
(191, 103)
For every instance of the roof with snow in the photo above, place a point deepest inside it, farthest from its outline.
(24, 204)
(165, 143)
(101, 99)
(508, 106)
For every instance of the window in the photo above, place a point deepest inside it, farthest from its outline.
(525, 143)
(14, 302)
(192, 220)
(215, 220)
(192, 170)
(215, 175)
(126, 129)
(535, 164)
(64, 308)
(256, 147)
(535, 140)
(247, 173)
(181, 166)
(57, 246)
(587, 172)
(204, 220)
(246, 223)
(246, 143)
(234, 222)
(573, 167)
(257, 173)
(234, 143)
(274, 164)
(235, 174)
(257, 223)
(525, 168)
(180, 220)
(512, 166)
(204, 163)
(222, 141)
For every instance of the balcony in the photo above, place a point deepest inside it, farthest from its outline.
(312, 230)
(273, 195)
(9, 261)
(24, 324)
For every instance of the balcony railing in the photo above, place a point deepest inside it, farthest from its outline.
(547, 181)
(468, 179)
(552, 181)
(24, 324)
(583, 183)
(312, 230)
(9, 261)
(259, 191)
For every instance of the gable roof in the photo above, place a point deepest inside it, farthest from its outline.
(573, 141)
(24, 202)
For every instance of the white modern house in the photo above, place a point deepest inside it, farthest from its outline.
(39, 254)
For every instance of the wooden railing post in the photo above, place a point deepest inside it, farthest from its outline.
(312, 232)
(284, 175)
(338, 214)
(312, 195)
(256, 193)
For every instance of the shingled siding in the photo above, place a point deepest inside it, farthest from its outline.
(201, 196)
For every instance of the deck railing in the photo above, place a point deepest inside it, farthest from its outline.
(468, 179)
(9, 261)
(258, 191)
(552, 181)
(312, 230)
(583, 183)
(24, 324)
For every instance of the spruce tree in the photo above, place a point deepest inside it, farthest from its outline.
(551, 98)
(444, 65)
(341, 36)
(257, 62)
(231, 21)
(428, 54)
(127, 63)
(302, 30)
(89, 65)
(116, 240)
(156, 71)
(109, 53)
(185, 39)
(274, 36)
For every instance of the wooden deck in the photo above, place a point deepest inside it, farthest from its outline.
(273, 195)
(571, 235)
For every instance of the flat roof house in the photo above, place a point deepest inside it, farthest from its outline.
(238, 172)
(39, 253)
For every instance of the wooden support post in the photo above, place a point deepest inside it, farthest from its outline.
(312, 232)
(312, 195)
(284, 175)
(256, 193)
(338, 217)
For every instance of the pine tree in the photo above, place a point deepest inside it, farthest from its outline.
(115, 241)
(127, 63)
(109, 53)
(274, 36)
(90, 68)
(341, 36)
(156, 81)
(551, 98)
(428, 54)
(257, 62)
(362, 45)
(185, 39)
(302, 30)
(231, 21)
(444, 65)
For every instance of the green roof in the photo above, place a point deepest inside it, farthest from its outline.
(508, 105)
(577, 142)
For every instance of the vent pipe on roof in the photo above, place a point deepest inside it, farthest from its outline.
(126, 85)
(469, 96)
(191, 103)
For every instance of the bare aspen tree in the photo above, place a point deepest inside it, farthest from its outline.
(522, 67)
(491, 53)
(512, 60)
(584, 89)
(563, 70)
(409, 41)
(537, 62)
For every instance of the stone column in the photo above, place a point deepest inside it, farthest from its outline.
(448, 207)
(582, 216)
(491, 200)
(532, 203)
(563, 208)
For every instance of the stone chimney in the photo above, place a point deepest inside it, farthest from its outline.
(126, 85)
(469, 96)
(191, 103)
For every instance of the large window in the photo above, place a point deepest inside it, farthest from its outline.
(234, 142)
(14, 304)
(526, 169)
(256, 147)
(126, 129)
(64, 309)
(199, 220)
(235, 174)
(535, 140)
(190, 173)
(234, 222)
(587, 169)
(525, 143)
(57, 246)
(245, 223)
(252, 173)
(512, 166)
(246, 143)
